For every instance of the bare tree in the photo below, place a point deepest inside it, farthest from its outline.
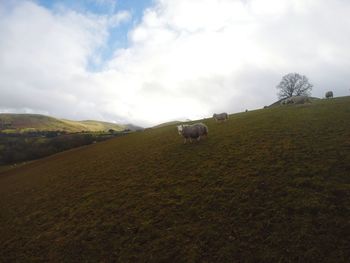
(294, 84)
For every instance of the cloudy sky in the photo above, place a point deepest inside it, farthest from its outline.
(147, 62)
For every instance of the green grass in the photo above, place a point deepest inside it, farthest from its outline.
(4, 168)
(7, 167)
(270, 185)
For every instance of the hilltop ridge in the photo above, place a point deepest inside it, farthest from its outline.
(36, 122)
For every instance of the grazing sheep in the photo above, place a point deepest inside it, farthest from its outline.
(329, 94)
(296, 100)
(221, 116)
(300, 99)
(287, 101)
(194, 131)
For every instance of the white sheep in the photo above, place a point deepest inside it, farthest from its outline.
(194, 131)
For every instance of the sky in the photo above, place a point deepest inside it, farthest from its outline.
(153, 61)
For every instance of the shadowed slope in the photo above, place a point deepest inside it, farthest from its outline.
(268, 185)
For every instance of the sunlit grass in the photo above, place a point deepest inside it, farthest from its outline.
(34, 122)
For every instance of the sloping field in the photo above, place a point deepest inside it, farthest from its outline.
(30, 122)
(271, 185)
(167, 124)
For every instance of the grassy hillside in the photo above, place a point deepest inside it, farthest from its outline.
(36, 122)
(271, 185)
(166, 124)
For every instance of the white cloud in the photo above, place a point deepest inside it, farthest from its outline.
(120, 17)
(226, 55)
(44, 57)
(185, 59)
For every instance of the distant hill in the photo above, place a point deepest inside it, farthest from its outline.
(170, 123)
(167, 124)
(269, 185)
(133, 127)
(36, 122)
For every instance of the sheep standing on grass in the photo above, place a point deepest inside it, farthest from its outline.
(220, 117)
(286, 101)
(300, 99)
(194, 131)
(296, 100)
(329, 94)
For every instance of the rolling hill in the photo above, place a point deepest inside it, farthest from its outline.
(269, 185)
(166, 124)
(35, 122)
